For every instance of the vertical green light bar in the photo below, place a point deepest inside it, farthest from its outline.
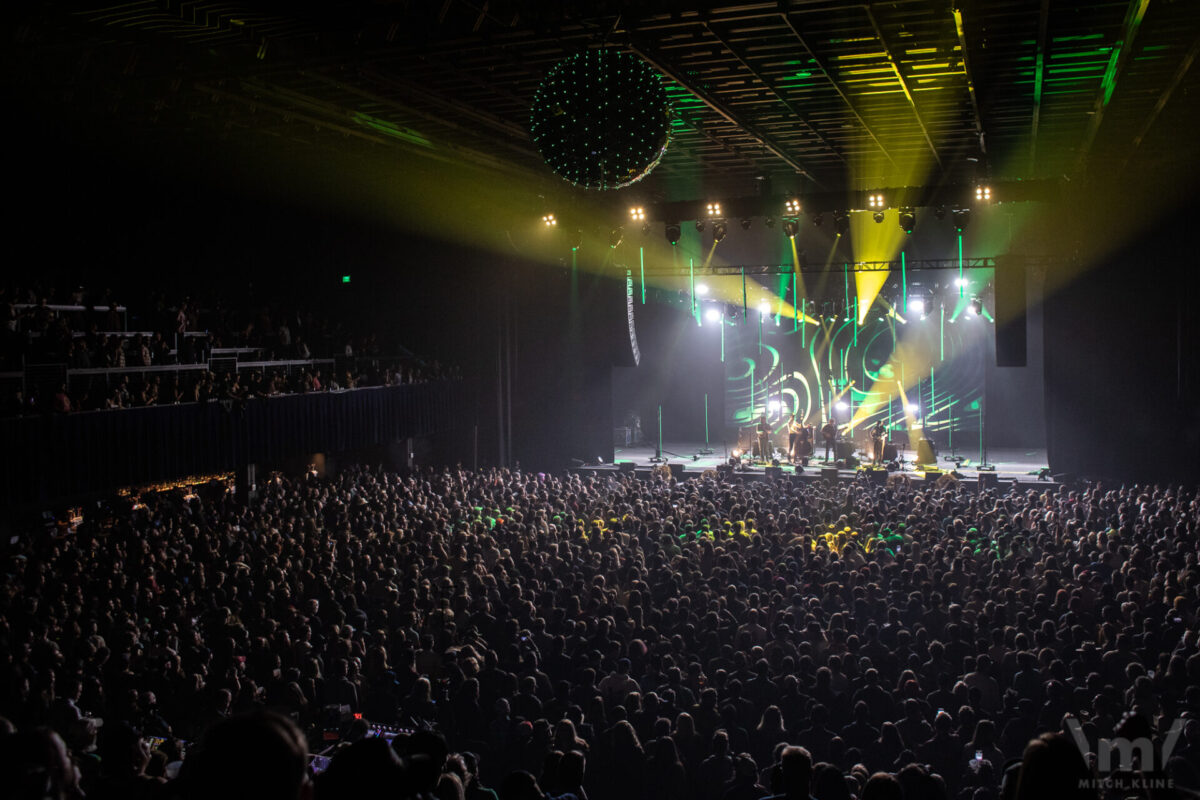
(950, 435)
(855, 328)
(692, 278)
(722, 338)
(744, 313)
(962, 286)
(706, 419)
(803, 327)
(903, 283)
(642, 256)
(943, 332)
(795, 304)
(846, 275)
(932, 393)
(760, 316)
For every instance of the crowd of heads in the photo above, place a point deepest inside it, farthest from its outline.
(608, 635)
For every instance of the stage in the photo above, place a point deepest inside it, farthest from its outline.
(1008, 465)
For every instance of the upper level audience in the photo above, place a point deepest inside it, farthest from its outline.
(85, 333)
(609, 637)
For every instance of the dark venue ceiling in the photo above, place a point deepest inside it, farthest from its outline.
(810, 94)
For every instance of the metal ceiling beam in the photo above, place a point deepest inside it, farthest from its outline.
(703, 95)
(1163, 99)
(1117, 59)
(912, 101)
(836, 86)
(1039, 72)
(771, 87)
(966, 59)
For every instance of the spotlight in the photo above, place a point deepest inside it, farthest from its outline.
(718, 231)
(818, 219)
(792, 207)
(746, 222)
(912, 408)
(713, 314)
(714, 209)
(673, 233)
(916, 305)
(961, 217)
(961, 281)
(877, 216)
(908, 220)
(773, 406)
(842, 405)
(841, 223)
(701, 289)
(790, 228)
(637, 214)
(976, 306)
(549, 220)
(983, 194)
(700, 225)
(764, 307)
(615, 237)
(875, 200)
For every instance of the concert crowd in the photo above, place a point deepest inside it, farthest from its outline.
(530, 636)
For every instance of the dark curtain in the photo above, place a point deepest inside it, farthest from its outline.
(54, 457)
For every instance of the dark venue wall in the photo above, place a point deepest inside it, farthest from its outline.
(1121, 365)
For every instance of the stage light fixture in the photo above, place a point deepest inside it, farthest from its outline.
(719, 231)
(877, 216)
(875, 200)
(790, 228)
(701, 289)
(773, 406)
(746, 223)
(764, 307)
(818, 219)
(673, 232)
(699, 226)
(842, 405)
(841, 223)
(637, 214)
(645, 227)
(713, 314)
(714, 209)
(549, 220)
(792, 207)
(962, 216)
(912, 408)
(916, 305)
(961, 281)
(769, 222)
(615, 237)
(983, 193)
(907, 219)
(939, 212)
(976, 306)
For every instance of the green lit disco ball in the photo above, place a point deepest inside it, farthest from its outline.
(601, 119)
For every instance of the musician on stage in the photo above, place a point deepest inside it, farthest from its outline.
(878, 439)
(795, 429)
(764, 438)
(829, 434)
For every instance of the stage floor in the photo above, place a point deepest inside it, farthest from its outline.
(1009, 465)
